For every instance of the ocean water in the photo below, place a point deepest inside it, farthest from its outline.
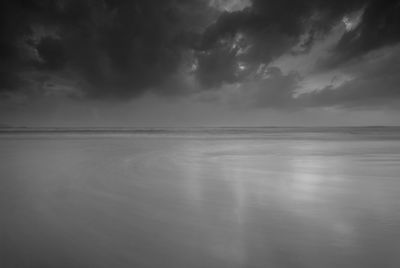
(202, 197)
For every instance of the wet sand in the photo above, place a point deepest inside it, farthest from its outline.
(329, 199)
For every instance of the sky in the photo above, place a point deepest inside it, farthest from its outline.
(144, 63)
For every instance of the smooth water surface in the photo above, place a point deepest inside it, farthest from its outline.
(243, 198)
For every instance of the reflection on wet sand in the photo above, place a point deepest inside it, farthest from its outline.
(146, 202)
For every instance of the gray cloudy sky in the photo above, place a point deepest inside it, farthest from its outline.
(199, 62)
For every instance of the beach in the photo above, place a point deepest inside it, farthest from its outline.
(221, 197)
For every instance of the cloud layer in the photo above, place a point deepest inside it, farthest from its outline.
(123, 48)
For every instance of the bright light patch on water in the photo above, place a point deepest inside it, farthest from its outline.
(211, 198)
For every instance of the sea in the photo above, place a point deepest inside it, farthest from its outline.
(271, 197)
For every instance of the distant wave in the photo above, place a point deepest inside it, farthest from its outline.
(374, 132)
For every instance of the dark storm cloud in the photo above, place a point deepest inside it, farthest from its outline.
(372, 82)
(111, 48)
(52, 51)
(380, 26)
(270, 29)
(123, 48)
(376, 83)
(274, 28)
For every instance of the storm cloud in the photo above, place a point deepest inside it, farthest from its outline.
(109, 48)
(375, 82)
(123, 49)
